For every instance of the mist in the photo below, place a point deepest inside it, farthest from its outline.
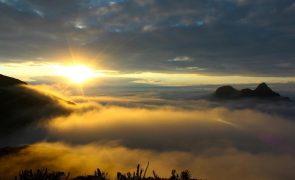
(251, 139)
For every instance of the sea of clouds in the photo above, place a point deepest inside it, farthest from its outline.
(214, 139)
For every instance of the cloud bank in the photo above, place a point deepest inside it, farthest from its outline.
(231, 37)
(204, 136)
(112, 158)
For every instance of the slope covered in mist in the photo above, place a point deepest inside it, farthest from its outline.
(22, 104)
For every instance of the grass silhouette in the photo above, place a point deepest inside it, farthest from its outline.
(138, 174)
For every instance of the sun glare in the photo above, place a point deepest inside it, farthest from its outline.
(76, 73)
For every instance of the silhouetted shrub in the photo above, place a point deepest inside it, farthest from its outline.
(138, 174)
(42, 175)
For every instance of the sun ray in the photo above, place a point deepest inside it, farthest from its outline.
(76, 73)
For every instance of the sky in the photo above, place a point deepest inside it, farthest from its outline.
(199, 42)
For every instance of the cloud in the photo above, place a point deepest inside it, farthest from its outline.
(169, 129)
(291, 8)
(192, 129)
(224, 37)
(181, 58)
(108, 157)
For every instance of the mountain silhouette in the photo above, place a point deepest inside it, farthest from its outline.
(21, 104)
(9, 81)
(227, 92)
(262, 91)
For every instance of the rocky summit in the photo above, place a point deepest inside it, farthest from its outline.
(262, 91)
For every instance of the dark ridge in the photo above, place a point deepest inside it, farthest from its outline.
(227, 92)
(262, 91)
(21, 106)
(9, 81)
(6, 151)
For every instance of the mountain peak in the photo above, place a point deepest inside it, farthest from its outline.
(262, 86)
(9, 81)
(262, 91)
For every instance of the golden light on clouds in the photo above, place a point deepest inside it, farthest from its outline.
(76, 73)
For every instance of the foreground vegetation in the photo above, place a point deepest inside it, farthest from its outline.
(139, 174)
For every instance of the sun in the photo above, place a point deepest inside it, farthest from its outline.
(76, 73)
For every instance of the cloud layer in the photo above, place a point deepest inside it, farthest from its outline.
(219, 37)
(172, 131)
(112, 158)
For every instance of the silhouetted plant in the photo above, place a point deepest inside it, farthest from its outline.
(138, 174)
(156, 176)
(185, 175)
(42, 175)
(174, 175)
(98, 175)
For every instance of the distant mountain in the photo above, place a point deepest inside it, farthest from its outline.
(9, 81)
(227, 92)
(262, 91)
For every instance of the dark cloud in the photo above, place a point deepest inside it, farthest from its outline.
(222, 37)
